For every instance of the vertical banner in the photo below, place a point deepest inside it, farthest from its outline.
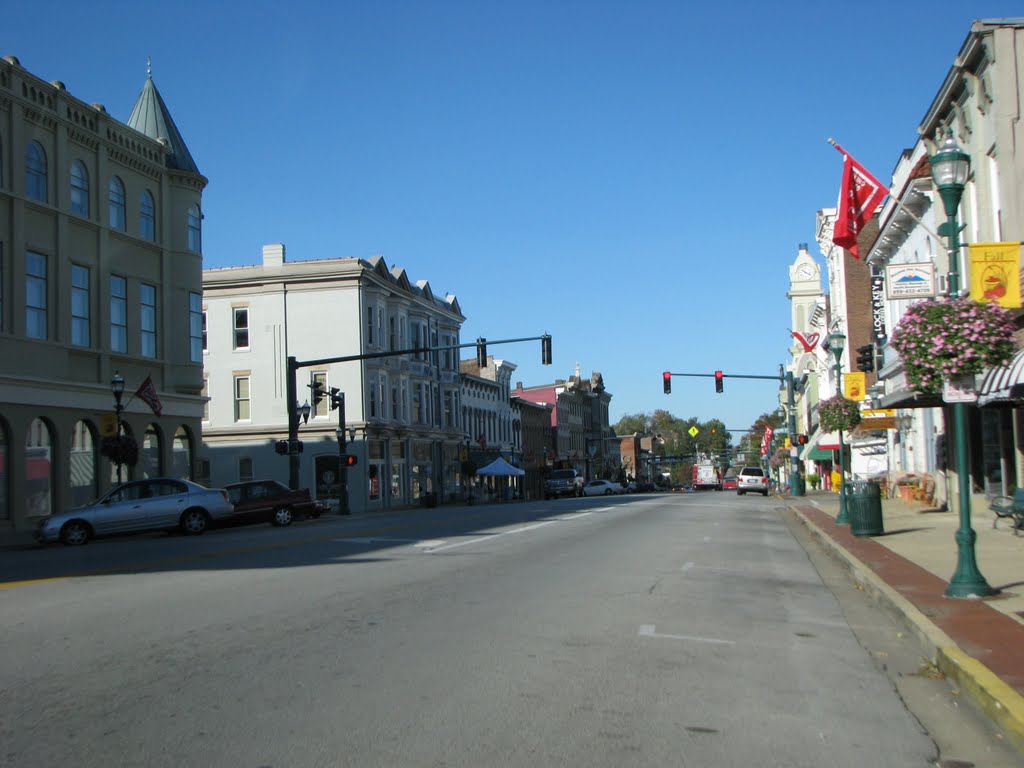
(853, 386)
(878, 305)
(995, 273)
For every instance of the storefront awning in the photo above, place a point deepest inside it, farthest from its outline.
(909, 398)
(1003, 385)
(820, 446)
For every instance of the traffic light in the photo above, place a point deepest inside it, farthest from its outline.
(481, 351)
(348, 460)
(337, 398)
(545, 349)
(719, 383)
(801, 439)
(317, 392)
(866, 358)
(668, 382)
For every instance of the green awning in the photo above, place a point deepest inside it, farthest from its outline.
(817, 454)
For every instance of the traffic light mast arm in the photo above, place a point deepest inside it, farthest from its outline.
(411, 351)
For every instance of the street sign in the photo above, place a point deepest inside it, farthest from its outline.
(693, 431)
(959, 390)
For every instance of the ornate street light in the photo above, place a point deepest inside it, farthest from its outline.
(837, 342)
(950, 166)
(117, 387)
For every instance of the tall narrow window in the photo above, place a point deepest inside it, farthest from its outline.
(196, 327)
(241, 328)
(35, 296)
(369, 326)
(115, 204)
(80, 333)
(35, 173)
(147, 320)
(195, 230)
(244, 469)
(79, 189)
(206, 398)
(118, 314)
(147, 216)
(242, 398)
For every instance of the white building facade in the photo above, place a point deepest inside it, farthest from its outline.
(402, 412)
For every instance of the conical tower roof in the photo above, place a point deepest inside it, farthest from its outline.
(151, 117)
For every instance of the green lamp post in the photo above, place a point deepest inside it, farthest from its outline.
(950, 166)
(837, 342)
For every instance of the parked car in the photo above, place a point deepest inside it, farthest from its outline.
(642, 486)
(752, 479)
(272, 502)
(602, 488)
(729, 480)
(157, 503)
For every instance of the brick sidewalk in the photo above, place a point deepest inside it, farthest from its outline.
(977, 642)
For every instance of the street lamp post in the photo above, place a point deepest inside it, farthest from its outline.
(339, 400)
(837, 342)
(950, 166)
(117, 387)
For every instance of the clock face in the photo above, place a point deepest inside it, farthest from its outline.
(805, 272)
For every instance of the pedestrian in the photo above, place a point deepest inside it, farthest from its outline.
(837, 480)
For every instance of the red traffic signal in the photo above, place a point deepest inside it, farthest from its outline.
(668, 382)
(719, 383)
(801, 439)
(349, 460)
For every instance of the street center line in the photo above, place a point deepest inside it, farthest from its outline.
(492, 536)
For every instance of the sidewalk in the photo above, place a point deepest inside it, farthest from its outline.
(977, 643)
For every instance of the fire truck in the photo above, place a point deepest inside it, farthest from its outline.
(706, 475)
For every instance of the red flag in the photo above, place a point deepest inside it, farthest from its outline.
(810, 341)
(859, 198)
(147, 393)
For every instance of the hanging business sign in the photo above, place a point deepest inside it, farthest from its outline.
(959, 390)
(910, 281)
(995, 273)
(878, 306)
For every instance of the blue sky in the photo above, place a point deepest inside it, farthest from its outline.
(632, 177)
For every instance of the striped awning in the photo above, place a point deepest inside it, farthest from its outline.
(1005, 384)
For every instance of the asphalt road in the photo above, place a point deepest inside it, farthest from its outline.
(683, 630)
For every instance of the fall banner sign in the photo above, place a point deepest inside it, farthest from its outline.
(853, 385)
(995, 273)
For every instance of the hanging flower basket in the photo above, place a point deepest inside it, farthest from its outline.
(943, 339)
(120, 449)
(779, 458)
(838, 413)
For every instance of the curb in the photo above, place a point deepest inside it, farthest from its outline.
(1000, 703)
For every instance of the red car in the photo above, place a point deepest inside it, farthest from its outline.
(270, 501)
(729, 481)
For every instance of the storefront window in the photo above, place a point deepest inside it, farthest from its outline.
(150, 457)
(421, 470)
(83, 463)
(38, 470)
(181, 455)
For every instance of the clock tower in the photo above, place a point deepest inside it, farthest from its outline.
(807, 302)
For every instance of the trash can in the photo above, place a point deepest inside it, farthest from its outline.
(796, 484)
(864, 507)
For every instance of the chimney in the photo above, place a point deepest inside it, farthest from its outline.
(273, 255)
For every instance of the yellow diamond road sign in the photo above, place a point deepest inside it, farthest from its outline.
(694, 431)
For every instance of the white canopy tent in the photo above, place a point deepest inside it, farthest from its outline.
(500, 468)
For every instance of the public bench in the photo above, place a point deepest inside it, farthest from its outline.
(1009, 508)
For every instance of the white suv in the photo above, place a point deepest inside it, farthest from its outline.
(751, 479)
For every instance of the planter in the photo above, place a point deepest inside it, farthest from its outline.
(908, 493)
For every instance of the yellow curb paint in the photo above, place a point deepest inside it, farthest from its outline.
(1001, 703)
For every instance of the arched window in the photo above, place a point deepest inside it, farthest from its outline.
(152, 464)
(38, 470)
(116, 204)
(84, 464)
(181, 455)
(5, 476)
(195, 230)
(79, 189)
(147, 216)
(35, 173)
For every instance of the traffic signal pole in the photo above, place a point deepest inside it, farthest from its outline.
(294, 364)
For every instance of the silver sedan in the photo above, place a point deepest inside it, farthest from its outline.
(159, 503)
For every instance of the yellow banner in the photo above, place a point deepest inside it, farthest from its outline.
(787, 444)
(853, 385)
(108, 425)
(878, 413)
(995, 273)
